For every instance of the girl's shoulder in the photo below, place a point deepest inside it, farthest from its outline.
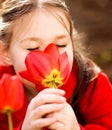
(103, 79)
(98, 74)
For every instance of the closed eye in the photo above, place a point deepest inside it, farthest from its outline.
(61, 46)
(31, 49)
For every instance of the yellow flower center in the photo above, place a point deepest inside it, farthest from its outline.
(53, 80)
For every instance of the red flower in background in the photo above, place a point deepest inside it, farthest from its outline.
(47, 68)
(11, 96)
(11, 93)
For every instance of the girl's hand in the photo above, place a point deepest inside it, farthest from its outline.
(66, 119)
(46, 102)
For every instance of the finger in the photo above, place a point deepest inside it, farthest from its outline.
(53, 91)
(44, 110)
(45, 99)
(56, 125)
(43, 122)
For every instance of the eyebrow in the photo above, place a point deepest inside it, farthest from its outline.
(61, 36)
(31, 39)
(58, 37)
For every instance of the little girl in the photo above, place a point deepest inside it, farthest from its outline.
(27, 25)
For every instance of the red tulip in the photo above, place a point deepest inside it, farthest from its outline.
(11, 96)
(47, 68)
(11, 93)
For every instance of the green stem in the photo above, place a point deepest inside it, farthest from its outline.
(53, 84)
(9, 120)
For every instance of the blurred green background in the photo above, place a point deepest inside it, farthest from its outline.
(94, 19)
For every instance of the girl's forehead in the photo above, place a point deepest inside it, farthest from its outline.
(25, 23)
(56, 14)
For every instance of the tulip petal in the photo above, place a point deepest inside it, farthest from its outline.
(11, 93)
(28, 76)
(71, 82)
(2, 98)
(16, 100)
(53, 51)
(38, 63)
(64, 66)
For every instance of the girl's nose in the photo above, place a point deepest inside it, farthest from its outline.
(43, 46)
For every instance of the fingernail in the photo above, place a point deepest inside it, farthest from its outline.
(63, 99)
(62, 92)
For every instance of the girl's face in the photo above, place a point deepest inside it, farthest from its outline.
(34, 32)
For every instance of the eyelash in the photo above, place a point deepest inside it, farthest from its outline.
(31, 49)
(61, 46)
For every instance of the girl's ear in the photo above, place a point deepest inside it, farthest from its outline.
(4, 54)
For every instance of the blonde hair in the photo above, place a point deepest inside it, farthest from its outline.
(11, 10)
